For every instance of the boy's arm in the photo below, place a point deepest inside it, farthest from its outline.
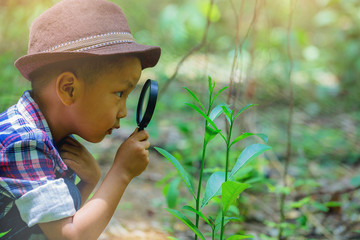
(77, 157)
(85, 190)
(89, 222)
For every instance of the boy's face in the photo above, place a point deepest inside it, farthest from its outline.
(102, 104)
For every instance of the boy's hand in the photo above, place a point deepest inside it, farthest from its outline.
(77, 157)
(132, 156)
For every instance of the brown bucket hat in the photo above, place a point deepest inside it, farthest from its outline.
(73, 29)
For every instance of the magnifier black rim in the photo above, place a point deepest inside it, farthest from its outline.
(143, 122)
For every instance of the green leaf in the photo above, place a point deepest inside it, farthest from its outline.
(173, 193)
(245, 135)
(333, 204)
(203, 114)
(286, 190)
(300, 203)
(302, 220)
(228, 113)
(179, 168)
(320, 206)
(243, 109)
(191, 209)
(216, 111)
(210, 133)
(4, 233)
(211, 85)
(237, 237)
(218, 93)
(230, 192)
(248, 154)
(355, 181)
(215, 13)
(196, 98)
(213, 187)
(187, 222)
(238, 219)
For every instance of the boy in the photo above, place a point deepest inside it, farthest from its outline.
(82, 62)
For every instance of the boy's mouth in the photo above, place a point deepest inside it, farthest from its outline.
(111, 129)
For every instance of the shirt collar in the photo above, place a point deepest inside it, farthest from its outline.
(32, 113)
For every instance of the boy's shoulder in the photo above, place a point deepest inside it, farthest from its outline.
(22, 122)
(27, 150)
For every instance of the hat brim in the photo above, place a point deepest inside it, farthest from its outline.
(148, 55)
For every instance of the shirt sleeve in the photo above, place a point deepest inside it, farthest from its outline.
(49, 202)
(39, 194)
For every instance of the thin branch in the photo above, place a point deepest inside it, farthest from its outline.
(251, 26)
(237, 41)
(192, 51)
(239, 45)
(291, 100)
(290, 120)
(238, 51)
(249, 80)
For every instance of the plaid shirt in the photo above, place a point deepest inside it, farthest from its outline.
(35, 184)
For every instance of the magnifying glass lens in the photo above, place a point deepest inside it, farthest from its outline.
(147, 103)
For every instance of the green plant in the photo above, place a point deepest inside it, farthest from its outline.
(220, 183)
(4, 233)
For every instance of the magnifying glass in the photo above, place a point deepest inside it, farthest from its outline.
(147, 103)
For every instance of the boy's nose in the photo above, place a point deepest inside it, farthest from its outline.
(122, 112)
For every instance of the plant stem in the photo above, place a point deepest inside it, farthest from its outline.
(199, 186)
(226, 175)
(227, 154)
(202, 163)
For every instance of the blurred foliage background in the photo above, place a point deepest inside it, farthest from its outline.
(246, 44)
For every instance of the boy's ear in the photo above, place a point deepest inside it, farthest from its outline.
(67, 86)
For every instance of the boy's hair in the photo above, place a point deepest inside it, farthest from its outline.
(88, 69)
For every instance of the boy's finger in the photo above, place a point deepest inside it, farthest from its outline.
(69, 148)
(145, 135)
(65, 155)
(72, 164)
(69, 141)
(142, 135)
(72, 142)
(146, 144)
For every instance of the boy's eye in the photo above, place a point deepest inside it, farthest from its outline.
(119, 94)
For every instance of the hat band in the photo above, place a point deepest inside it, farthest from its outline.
(91, 42)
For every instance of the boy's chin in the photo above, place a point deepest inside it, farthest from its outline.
(95, 139)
